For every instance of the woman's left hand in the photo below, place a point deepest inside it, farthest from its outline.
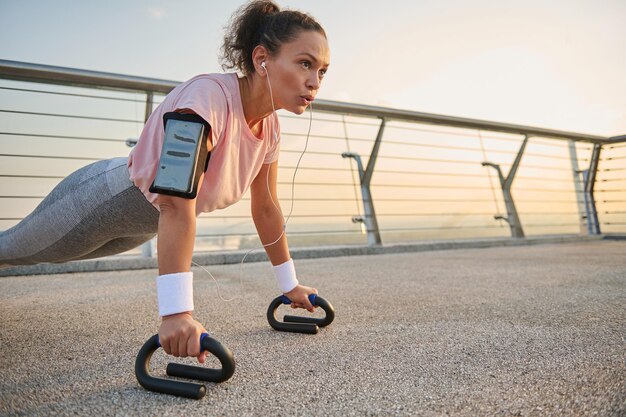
(299, 297)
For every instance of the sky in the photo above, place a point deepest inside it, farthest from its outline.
(556, 64)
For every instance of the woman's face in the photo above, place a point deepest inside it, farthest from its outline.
(297, 71)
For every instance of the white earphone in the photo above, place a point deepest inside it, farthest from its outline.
(267, 77)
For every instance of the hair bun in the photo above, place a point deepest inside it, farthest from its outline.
(250, 27)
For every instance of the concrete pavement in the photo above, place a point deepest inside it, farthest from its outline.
(530, 330)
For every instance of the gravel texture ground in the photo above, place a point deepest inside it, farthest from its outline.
(522, 331)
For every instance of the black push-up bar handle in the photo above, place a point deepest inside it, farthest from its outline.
(299, 324)
(184, 389)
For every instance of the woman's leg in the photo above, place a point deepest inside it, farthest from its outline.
(96, 211)
(118, 245)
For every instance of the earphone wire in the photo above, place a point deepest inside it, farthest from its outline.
(271, 198)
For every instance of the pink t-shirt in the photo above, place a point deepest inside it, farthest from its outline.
(237, 155)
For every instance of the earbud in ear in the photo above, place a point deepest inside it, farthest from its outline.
(263, 64)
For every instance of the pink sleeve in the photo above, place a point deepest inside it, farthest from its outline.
(207, 99)
(273, 151)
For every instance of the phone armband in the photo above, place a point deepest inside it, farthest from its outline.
(184, 156)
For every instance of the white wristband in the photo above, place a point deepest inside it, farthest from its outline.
(286, 276)
(175, 293)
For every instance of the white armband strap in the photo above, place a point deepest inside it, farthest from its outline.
(286, 276)
(175, 293)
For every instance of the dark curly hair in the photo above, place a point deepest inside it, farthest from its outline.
(261, 22)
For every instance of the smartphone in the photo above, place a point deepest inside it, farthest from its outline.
(184, 155)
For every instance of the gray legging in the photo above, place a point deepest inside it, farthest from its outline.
(95, 211)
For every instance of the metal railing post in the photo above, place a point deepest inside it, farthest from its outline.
(365, 177)
(589, 177)
(149, 105)
(578, 187)
(147, 249)
(512, 218)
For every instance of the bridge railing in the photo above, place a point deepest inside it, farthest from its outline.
(370, 174)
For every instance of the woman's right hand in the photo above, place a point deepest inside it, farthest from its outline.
(179, 335)
(299, 297)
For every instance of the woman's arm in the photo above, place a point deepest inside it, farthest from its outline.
(179, 333)
(176, 234)
(268, 220)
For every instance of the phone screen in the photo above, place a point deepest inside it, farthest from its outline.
(177, 165)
